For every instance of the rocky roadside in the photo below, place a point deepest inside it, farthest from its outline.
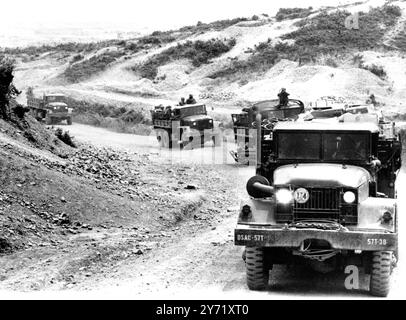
(68, 218)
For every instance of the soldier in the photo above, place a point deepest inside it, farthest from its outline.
(190, 100)
(168, 112)
(283, 98)
(182, 101)
(372, 100)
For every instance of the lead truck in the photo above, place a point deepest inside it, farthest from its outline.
(323, 194)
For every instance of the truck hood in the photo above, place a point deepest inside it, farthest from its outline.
(321, 175)
(198, 117)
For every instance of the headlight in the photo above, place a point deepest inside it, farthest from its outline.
(284, 196)
(349, 197)
(194, 124)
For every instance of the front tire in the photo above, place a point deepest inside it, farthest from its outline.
(380, 273)
(69, 121)
(257, 273)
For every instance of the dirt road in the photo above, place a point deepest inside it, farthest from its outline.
(198, 261)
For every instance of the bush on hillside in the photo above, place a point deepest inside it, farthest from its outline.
(120, 119)
(65, 137)
(327, 32)
(7, 90)
(199, 52)
(376, 70)
(69, 47)
(324, 34)
(83, 70)
(293, 13)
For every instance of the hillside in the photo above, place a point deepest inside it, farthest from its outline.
(229, 63)
(68, 213)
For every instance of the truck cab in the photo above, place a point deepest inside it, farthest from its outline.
(323, 195)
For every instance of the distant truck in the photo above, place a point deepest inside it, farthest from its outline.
(270, 113)
(184, 125)
(51, 108)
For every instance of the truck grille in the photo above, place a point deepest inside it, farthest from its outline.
(323, 204)
(324, 201)
(204, 124)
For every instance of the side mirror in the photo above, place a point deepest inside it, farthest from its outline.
(259, 187)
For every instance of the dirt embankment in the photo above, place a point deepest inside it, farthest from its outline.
(67, 214)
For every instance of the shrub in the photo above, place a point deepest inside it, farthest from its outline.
(69, 47)
(293, 13)
(324, 34)
(199, 52)
(120, 119)
(77, 58)
(7, 90)
(215, 25)
(376, 70)
(87, 68)
(65, 137)
(331, 62)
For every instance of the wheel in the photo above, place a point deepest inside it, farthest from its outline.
(257, 273)
(69, 121)
(380, 273)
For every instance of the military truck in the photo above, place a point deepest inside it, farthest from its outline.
(51, 108)
(244, 121)
(323, 194)
(184, 125)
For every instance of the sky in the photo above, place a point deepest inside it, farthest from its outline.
(160, 14)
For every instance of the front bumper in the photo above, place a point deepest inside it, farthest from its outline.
(365, 240)
(60, 115)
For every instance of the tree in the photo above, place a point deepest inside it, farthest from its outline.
(7, 89)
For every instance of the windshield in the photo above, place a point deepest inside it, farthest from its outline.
(345, 146)
(299, 146)
(191, 111)
(335, 146)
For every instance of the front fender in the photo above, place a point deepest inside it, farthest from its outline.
(262, 211)
(370, 213)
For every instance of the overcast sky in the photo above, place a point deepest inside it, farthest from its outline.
(134, 13)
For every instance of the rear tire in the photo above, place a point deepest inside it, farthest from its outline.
(380, 273)
(257, 273)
